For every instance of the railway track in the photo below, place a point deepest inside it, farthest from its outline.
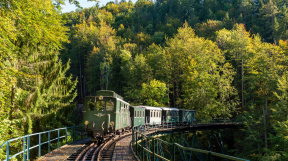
(94, 151)
(106, 153)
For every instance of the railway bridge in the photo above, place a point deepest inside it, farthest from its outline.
(140, 143)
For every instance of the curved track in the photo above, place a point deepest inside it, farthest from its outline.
(94, 151)
(107, 151)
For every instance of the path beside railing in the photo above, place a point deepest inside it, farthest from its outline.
(69, 133)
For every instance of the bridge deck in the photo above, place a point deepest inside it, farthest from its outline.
(64, 152)
(122, 149)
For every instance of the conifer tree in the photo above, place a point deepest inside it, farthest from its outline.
(32, 33)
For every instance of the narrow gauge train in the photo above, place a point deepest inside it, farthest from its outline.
(105, 113)
(108, 113)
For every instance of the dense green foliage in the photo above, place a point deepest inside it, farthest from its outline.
(34, 88)
(193, 55)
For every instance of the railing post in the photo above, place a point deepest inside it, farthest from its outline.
(28, 146)
(153, 144)
(136, 144)
(133, 139)
(24, 148)
(142, 147)
(58, 137)
(148, 128)
(7, 151)
(209, 156)
(49, 141)
(73, 135)
(39, 149)
(174, 148)
(66, 134)
(157, 149)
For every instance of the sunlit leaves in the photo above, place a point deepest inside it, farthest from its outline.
(31, 32)
(199, 66)
(154, 93)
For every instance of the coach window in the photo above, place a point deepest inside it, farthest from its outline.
(100, 105)
(151, 114)
(135, 114)
(138, 115)
(110, 106)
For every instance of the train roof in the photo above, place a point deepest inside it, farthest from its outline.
(122, 101)
(137, 107)
(108, 93)
(169, 109)
(149, 107)
(186, 110)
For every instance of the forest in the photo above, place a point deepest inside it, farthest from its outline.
(223, 58)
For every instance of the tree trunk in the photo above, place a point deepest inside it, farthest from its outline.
(12, 106)
(265, 123)
(242, 77)
(80, 77)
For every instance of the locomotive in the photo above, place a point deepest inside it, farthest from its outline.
(107, 113)
(104, 114)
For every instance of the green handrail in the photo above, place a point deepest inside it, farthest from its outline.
(26, 142)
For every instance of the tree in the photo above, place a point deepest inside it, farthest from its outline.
(235, 45)
(202, 80)
(269, 13)
(154, 93)
(32, 32)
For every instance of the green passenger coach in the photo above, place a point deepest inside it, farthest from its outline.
(187, 115)
(170, 114)
(137, 115)
(105, 113)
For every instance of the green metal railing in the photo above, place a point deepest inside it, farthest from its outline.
(142, 143)
(27, 141)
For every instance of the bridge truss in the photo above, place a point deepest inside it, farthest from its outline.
(148, 146)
